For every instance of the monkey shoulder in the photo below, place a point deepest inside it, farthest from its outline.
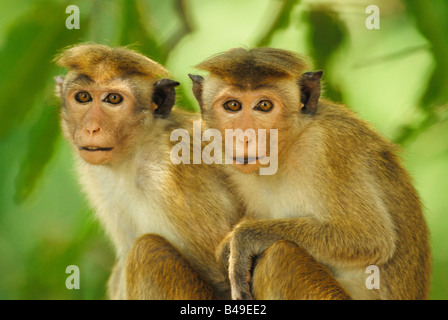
(340, 147)
(342, 130)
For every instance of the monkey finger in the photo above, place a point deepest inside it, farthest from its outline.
(239, 274)
(243, 294)
(222, 252)
(240, 290)
(239, 284)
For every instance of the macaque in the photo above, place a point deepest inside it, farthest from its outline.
(338, 202)
(165, 220)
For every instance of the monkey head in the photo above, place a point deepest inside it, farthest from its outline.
(110, 96)
(262, 93)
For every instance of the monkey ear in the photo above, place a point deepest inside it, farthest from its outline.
(164, 96)
(197, 87)
(59, 82)
(309, 85)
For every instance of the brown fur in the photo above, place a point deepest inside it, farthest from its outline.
(157, 270)
(243, 67)
(102, 64)
(340, 192)
(90, 59)
(135, 189)
(304, 277)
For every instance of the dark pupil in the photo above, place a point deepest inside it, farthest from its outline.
(114, 98)
(232, 105)
(83, 97)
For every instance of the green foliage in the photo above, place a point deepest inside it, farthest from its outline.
(432, 21)
(44, 221)
(133, 30)
(41, 146)
(28, 50)
(326, 35)
(282, 21)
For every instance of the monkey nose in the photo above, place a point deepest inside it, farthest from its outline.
(92, 130)
(245, 139)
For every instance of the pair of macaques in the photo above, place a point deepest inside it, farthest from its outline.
(339, 201)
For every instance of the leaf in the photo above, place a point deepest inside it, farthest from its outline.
(26, 59)
(27, 69)
(326, 34)
(432, 21)
(41, 145)
(185, 28)
(281, 21)
(408, 133)
(134, 32)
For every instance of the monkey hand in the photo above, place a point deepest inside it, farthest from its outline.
(242, 246)
(222, 254)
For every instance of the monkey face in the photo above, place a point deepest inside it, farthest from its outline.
(261, 89)
(100, 122)
(110, 97)
(247, 119)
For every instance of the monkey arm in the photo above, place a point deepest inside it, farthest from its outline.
(157, 270)
(286, 271)
(336, 242)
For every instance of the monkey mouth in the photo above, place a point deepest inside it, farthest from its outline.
(246, 160)
(93, 149)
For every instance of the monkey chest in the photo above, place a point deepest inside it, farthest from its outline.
(127, 211)
(276, 201)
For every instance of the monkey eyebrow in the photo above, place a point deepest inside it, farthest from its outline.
(82, 78)
(132, 73)
(265, 86)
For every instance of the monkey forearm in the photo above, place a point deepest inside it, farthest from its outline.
(328, 243)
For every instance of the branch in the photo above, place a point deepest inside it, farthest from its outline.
(186, 26)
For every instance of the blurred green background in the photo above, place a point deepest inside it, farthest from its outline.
(396, 77)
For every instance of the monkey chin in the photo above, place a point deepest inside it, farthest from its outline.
(246, 164)
(96, 157)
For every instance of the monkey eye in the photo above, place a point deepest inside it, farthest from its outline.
(232, 105)
(264, 105)
(113, 98)
(83, 97)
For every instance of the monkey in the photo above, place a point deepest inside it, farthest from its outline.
(165, 220)
(337, 201)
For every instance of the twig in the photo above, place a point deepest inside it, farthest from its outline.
(392, 56)
(185, 29)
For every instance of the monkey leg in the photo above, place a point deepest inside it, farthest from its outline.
(285, 271)
(156, 270)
